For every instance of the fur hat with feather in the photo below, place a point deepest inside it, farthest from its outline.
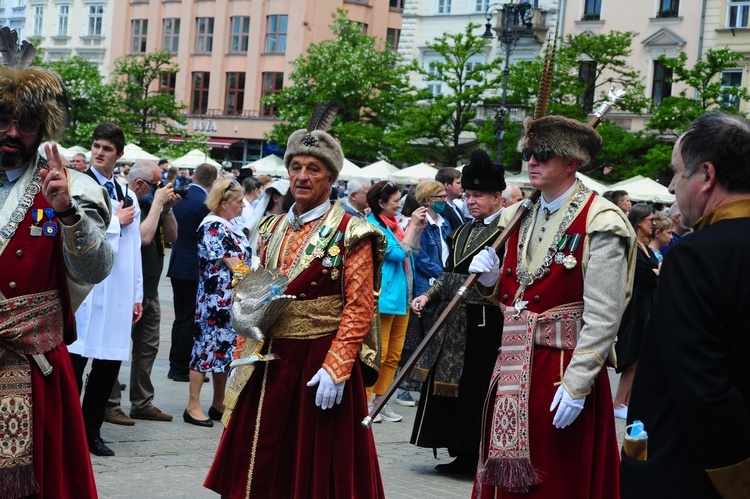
(315, 141)
(31, 92)
(563, 136)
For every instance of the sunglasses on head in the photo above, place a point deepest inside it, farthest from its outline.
(540, 156)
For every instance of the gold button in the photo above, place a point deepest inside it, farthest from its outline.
(325, 271)
(19, 253)
(302, 295)
(12, 285)
(313, 284)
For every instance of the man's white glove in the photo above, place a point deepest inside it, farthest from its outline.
(487, 265)
(569, 408)
(328, 391)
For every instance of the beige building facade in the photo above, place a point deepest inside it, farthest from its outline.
(663, 27)
(233, 52)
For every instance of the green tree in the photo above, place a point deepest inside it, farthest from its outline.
(438, 121)
(144, 113)
(361, 74)
(91, 99)
(706, 91)
(571, 92)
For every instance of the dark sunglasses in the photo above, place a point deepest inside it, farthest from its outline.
(540, 156)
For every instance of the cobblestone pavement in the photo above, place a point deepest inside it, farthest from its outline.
(171, 459)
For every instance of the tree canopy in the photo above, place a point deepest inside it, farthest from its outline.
(362, 74)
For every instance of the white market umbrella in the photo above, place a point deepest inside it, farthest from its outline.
(380, 170)
(268, 165)
(645, 189)
(592, 184)
(414, 174)
(77, 149)
(349, 170)
(194, 158)
(132, 153)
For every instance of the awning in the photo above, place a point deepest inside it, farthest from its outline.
(213, 142)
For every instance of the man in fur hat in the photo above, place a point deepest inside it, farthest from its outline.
(457, 365)
(53, 248)
(562, 288)
(294, 430)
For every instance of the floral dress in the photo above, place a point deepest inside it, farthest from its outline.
(214, 339)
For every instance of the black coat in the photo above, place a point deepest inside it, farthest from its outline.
(692, 388)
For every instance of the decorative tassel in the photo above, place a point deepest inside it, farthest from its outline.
(18, 481)
(512, 475)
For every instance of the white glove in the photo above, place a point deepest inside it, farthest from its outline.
(569, 408)
(328, 391)
(487, 265)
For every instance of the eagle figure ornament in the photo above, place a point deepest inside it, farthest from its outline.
(259, 300)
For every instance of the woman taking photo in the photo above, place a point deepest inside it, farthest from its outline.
(384, 200)
(221, 248)
(428, 265)
(633, 325)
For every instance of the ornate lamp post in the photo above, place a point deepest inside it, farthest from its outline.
(515, 22)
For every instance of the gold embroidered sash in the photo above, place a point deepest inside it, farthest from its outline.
(29, 325)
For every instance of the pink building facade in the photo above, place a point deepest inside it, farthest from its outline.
(232, 52)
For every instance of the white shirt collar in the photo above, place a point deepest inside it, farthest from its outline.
(101, 178)
(438, 221)
(16, 173)
(311, 215)
(492, 217)
(555, 204)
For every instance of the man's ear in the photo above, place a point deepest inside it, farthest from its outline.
(708, 170)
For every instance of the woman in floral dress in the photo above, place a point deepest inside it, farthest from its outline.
(222, 246)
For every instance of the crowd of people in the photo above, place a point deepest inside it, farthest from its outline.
(514, 385)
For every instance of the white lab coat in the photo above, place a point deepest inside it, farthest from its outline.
(105, 317)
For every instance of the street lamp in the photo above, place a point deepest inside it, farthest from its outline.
(515, 22)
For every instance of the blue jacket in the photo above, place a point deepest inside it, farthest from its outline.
(183, 264)
(394, 287)
(429, 263)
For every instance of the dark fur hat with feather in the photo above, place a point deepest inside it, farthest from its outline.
(315, 141)
(31, 92)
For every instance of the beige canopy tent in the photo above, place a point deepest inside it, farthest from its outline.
(645, 189)
(194, 158)
(380, 170)
(414, 174)
(132, 153)
(268, 165)
(522, 180)
(349, 170)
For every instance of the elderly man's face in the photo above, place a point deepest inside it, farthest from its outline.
(18, 147)
(359, 199)
(78, 163)
(310, 181)
(688, 190)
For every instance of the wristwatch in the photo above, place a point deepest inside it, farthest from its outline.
(70, 211)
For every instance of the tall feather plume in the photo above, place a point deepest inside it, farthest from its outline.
(12, 55)
(322, 116)
(545, 82)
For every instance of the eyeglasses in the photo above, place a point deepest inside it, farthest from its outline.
(541, 156)
(387, 184)
(26, 127)
(152, 186)
(439, 198)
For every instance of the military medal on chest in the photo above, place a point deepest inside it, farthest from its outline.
(49, 228)
(571, 241)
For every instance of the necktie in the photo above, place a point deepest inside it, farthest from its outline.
(110, 189)
(476, 229)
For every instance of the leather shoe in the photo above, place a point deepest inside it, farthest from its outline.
(178, 377)
(459, 466)
(207, 423)
(118, 416)
(215, 414)
(97, 448)
(153, 414)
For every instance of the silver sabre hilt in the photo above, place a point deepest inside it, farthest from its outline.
(367, 422)
(614, 95)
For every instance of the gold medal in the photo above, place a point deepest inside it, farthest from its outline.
(334, 250)
(334, 274)
(570, 262)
